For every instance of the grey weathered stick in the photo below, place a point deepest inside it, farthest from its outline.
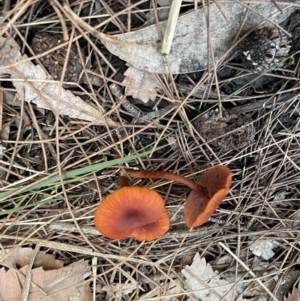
(171, 25)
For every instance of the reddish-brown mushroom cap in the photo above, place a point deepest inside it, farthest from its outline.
(154, 230)
(132, 211)
(214, 186)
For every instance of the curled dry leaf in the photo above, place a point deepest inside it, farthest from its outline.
(33, 85)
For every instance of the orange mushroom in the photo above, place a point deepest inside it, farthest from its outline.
(214, 185)
(206, 195)
(132, 211)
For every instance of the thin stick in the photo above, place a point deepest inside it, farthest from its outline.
(62, 21)
(171, 25)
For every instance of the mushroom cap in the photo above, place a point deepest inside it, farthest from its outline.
(132, 211)
(154, 230)
(214, 186)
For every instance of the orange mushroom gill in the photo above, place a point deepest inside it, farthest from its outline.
(214, 185)
(206, 195)
(132, 211)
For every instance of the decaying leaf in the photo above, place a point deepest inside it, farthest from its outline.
(9, 285)
(205, 284)
(59, 284)
(294, 296)
(140, 84)
(189, 52)
(21, 257)
(263, 248)
(33, 85)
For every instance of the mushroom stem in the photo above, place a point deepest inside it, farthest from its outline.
(158, 174)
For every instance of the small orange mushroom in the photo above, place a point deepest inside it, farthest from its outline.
(132, 211)
(214, 186)
(206, 195)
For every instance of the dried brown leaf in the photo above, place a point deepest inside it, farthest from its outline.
(9, 285)
(21, 257)
(294, 296)
(33, 85)
(61, 284)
